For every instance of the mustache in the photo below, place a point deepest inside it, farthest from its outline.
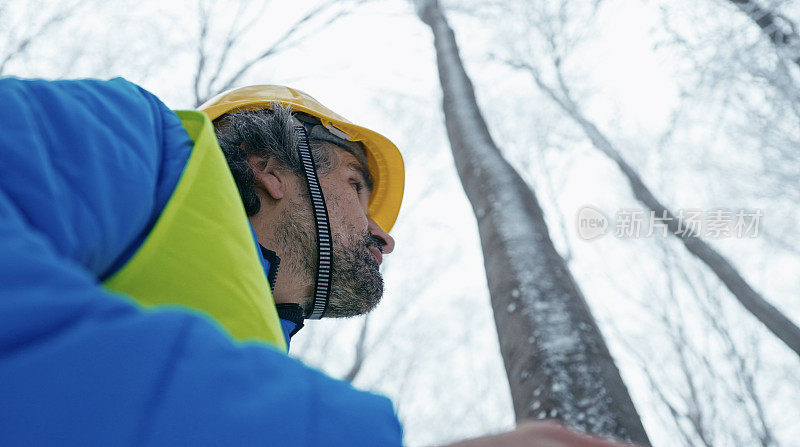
(371, 240)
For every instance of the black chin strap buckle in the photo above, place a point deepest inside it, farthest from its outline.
(322, 286)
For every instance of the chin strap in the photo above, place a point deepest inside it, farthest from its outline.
(322, 285)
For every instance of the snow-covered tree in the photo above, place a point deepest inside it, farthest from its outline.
(556, 360)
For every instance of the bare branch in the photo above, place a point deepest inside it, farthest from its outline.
(205, 18)
(235, 32)
(780, 325)
(25, 42)
(781, 31)
(361, 352)
(278, 45)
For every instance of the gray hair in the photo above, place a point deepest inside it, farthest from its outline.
(269, 133)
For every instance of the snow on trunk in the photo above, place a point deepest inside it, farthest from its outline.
(557, 363)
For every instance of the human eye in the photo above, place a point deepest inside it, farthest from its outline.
(357, 185)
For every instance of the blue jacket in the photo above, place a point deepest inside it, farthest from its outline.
(79, 192)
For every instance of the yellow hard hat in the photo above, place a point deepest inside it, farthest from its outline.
(384, 161)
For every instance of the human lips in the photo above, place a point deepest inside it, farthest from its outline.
(377, 254)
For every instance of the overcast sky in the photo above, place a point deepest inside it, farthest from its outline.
(439, 358)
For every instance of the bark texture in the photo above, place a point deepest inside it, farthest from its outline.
(557, 363)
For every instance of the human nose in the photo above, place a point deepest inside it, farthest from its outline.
(388, 241)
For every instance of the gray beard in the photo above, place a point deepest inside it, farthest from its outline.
(356, 281)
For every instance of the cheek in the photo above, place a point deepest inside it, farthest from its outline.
(346, 214)
(345, 211)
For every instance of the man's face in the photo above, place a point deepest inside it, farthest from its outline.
(358, 242)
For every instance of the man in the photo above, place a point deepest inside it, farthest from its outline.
(110, 202)
(361, 180)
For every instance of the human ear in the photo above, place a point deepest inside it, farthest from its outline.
(267, 176)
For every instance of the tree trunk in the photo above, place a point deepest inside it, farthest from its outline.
(557, 363)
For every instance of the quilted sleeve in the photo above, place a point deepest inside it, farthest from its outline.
(84, 167)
